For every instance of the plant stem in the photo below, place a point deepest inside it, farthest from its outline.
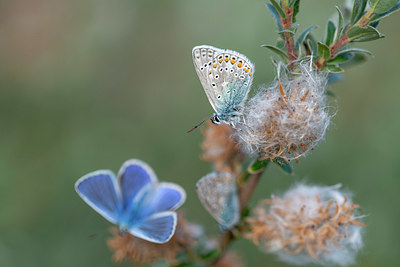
(289, 42)
(244, 197)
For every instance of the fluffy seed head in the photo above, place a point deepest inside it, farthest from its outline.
(126, 246)
(288, 118)
(308, 224)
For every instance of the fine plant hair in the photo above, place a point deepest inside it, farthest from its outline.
(288, 118)
(282, 123)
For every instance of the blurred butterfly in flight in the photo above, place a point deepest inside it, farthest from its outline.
(135, 201)
(226, 77)
(217, 192)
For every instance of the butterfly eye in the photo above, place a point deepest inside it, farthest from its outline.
(215, 119)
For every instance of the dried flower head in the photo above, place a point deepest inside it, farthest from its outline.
(309, 224)
(143, 252)
(229, 259)
(219, 146)
(287, 119)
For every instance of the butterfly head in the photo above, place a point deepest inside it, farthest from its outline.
(216, 119)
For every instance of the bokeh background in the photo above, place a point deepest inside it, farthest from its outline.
(86, 85)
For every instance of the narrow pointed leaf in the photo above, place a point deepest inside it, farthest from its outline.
(257, 166)
(296, 9)
(358, 34)
(358, 10)
(275, 15)
(356, 50)
(304, 35)
(323, 51)
(333, 69)
(382, 6)
(340, 24)
(312, 45)
(280, 44)
(278, 9)
(339, 59)
(278, 51)
(286, 167)
(378, 17)
(330, 32)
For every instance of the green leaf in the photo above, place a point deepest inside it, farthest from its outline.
(330, 32)
(278, 51)
(323, 51)
(275, 15)
(286, 167)
(340, 24)
(358, 34)
(358, 10)
(280, 44)
(333, 69)
(339, 59)
(296, 9)
(278, 9)
(257, 166)
(304, 35)
(312, 44)
(355, 50)
(378, 17)
(382, 6)
(292, 2)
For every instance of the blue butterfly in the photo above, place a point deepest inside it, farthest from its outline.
(135, 201)
(226, 77)
(217, 192)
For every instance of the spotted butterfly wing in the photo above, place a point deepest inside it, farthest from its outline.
(218, 193)
(226, 77)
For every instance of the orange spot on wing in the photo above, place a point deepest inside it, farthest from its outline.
(226, 59)
(240, 64)
(220, 60)
(233, 61)
(214, 65)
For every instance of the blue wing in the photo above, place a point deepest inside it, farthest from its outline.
(158, 228)
(133, 176)
(100, 191)
(164, 197)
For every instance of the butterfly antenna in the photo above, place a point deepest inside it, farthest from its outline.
(198, 125)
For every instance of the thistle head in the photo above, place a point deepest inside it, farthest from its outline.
(288, 118)
(308, 224)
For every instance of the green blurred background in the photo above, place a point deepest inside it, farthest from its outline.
(86, 85)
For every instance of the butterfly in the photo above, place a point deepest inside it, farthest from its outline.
(226, 77)
(217, 192)
(135, 201)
